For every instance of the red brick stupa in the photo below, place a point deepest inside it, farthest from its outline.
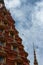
(11, 49)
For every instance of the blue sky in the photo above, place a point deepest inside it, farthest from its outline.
(28, 16)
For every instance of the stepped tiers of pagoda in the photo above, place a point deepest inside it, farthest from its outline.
(11, 49)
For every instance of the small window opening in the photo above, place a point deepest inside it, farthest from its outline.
(18, 63)
(11, 34)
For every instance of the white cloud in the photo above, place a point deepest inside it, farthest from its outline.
(12, 3)
(38, 14)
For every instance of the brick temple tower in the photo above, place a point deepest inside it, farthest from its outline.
(35, 59)
(11, 49)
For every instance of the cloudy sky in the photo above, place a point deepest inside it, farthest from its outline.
(28, 15)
